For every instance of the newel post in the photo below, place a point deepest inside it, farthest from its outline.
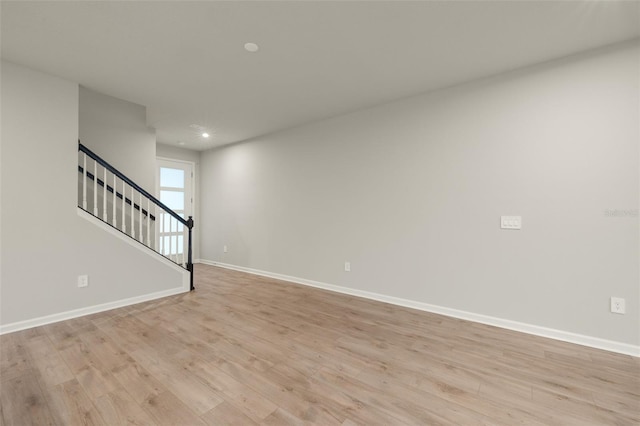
(190, 259)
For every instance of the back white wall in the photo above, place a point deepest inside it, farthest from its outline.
(117, 131)
(411, 193)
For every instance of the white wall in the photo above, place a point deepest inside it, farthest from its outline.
(180, 154)
(117, 131)
(46, 245)
(411, 194)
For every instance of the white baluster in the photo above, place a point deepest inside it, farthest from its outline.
(84, 181)
(185, 239)
(166, 236)
(104, 196)
(140, 218)
(179, 255)
(171, 219)
(163, 231)
(133, 226)
(95, 188)
(177, 241)
(115, 198)
(148, 222)
(124, 221)
(168, 232)
(159, 238)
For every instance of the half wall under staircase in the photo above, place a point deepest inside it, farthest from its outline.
(110, 196)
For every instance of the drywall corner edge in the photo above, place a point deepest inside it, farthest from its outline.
(565, 336)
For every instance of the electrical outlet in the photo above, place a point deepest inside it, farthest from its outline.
(617, 305)
(83, 280)
(224, 248)
(347, 266)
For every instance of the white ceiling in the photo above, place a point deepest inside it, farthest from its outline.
(185, 60)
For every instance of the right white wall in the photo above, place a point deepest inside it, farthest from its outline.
(411, 193)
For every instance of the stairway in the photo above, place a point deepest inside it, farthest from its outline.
(107, 194)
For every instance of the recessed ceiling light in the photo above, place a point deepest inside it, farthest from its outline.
(251, 47)
(205, 135)
(180, 143)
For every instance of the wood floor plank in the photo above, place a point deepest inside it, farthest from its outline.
(93, 375)
(167, 410)
(14, 357)
(248, 350)
(281, 417)
(346, 405)
(71, 406)
(65, 333)
(576, 408)
(96, 381)
(118, 408)
(23, 402)
(252, 404)
(191, 390)
(228, 415)
(405, 412)
(105, 349)
(138, 382)
(48, 362)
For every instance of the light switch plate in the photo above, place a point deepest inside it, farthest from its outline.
(511, 222)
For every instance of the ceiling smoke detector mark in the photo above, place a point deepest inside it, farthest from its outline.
(251, 47)
(180, 143)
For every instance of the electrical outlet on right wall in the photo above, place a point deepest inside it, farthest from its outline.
(617, 305)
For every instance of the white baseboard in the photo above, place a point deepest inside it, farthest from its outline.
(565, 336)
(49, 319)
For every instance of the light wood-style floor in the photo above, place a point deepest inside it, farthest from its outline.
(246, 350)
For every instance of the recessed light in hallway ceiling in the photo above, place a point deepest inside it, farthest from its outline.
(251, 47)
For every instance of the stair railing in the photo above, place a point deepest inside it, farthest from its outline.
(110, 196)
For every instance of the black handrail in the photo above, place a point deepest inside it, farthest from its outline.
(131, 183)
(186, 222)
(119, 195)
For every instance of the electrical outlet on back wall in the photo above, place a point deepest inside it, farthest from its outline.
(618, 305)
(83, 280)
